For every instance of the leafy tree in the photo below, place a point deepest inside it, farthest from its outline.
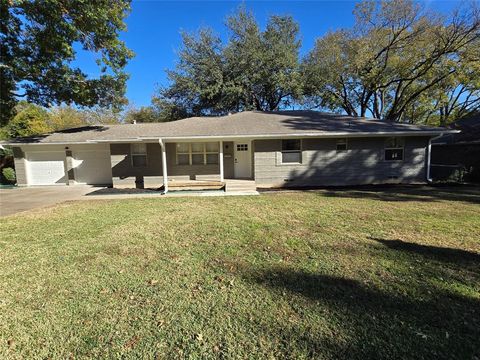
(30, 120)
(144, 114)
(66, 117)
(254, 69)
(399, 63)
(36, 40)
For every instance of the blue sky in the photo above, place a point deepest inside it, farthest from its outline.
(154, 32)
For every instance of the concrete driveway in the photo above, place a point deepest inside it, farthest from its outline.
(16, 200)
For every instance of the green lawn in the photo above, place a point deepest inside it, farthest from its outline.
(327, 274)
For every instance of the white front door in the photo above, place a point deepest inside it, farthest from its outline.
(243, 158)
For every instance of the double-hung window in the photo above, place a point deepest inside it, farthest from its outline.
(197, 153)
(394, 147)
(292, 151)
(139, 154)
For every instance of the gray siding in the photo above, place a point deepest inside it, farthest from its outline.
(322, 165)
(187, 171)
(121, 160)
(20, 166)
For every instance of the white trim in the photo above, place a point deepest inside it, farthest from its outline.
(220, 160)
(411, 133)
(429, 156)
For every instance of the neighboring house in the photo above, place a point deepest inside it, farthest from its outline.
(288, 148)
(454, 154)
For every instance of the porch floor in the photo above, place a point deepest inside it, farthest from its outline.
(229, 185)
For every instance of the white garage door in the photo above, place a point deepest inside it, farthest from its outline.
(46, 168)
(92, 167)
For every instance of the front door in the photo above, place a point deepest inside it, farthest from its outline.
(243, 158)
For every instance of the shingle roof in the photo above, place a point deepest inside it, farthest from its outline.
(244, 124)
(470, 131)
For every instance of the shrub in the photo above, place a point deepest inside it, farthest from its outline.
(8, 175)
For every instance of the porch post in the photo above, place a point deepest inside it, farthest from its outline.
(221, 162)
(164, 166)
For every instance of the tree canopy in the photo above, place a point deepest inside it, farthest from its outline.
(31, 119)
(399, 63)
(37, 40)
(254, 69)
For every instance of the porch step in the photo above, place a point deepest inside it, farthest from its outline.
(195, 185)
(240, 186)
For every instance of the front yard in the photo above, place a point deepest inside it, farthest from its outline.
(327, 274)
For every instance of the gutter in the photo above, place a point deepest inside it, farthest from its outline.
(429, 156)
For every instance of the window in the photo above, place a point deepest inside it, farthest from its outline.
(197, 153)
(291, 151)
(342, 144)
(139, 154)
(242, 147)
(394, 149)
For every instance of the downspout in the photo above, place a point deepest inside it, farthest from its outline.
(164, 166)
(429, 156)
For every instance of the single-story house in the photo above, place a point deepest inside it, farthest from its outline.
(275, 149)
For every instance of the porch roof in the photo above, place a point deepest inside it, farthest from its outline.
(247, 124)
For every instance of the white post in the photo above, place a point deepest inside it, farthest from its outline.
(429, 157)
(221, 162)
(164, 166)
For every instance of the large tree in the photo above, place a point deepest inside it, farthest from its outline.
(400, 63)
(37, 40)
(254, 69)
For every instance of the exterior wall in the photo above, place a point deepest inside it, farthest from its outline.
(322, 165)
(121, 160)
(20, 166)
(188, 172)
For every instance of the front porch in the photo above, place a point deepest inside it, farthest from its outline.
(183, 165)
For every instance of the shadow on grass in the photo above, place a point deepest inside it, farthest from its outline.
(379, 324)
(470, 194)
(455, 256)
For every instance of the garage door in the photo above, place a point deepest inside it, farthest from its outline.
(92, 167)
(46, 168)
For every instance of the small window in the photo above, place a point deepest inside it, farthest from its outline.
(291, 151)
(394, 149)
(342, 144)
(242, 147)
(139, 155)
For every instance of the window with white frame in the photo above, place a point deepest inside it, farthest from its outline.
(197, 153)
(291, 151)
(394, 147)
(342, 144)
(139, 154)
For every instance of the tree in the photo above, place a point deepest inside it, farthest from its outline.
(30, 120)
(144, 114)
(66, 117)
(254, 69)
(37, 49)
(399, 63)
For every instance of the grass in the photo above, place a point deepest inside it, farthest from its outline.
(328, 274)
